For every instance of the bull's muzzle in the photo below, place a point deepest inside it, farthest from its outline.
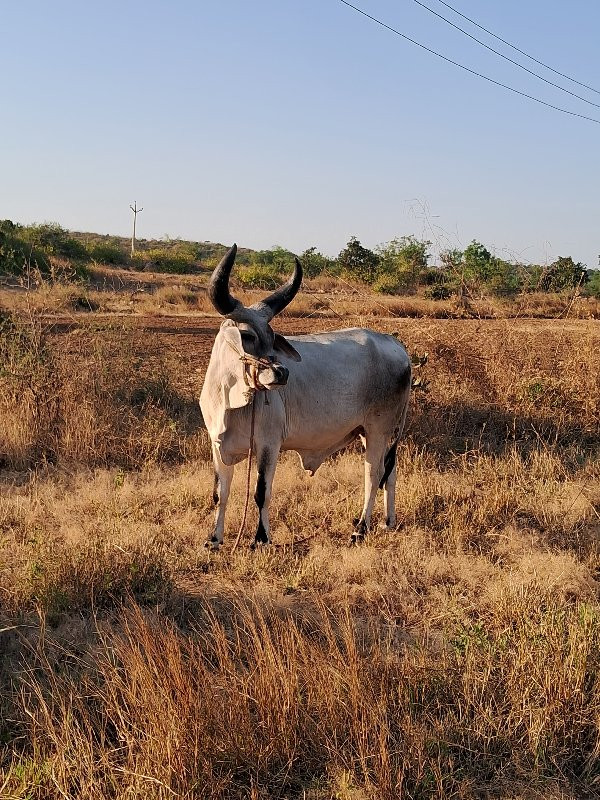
(281, 374)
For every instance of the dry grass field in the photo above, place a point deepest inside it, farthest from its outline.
(456, 657)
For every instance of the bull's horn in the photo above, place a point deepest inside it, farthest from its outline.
(276, 302)
(218, 286)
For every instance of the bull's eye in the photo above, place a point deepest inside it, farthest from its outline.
(248, 338)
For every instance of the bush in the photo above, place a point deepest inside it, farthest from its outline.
(16, 255)
(403, 261)
(387, 284)
(260, 276)
(563, 273)
(359, 262)
(432, 276)
(159, 259)
(55, 241)
(438, 292)
(592, 288)
(314, 263)
(106, 253)
(277, 258)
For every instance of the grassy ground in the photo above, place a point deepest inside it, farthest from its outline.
(455, 657)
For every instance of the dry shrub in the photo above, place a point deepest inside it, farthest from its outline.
(29, 392)
(176, 295)
(518, 383)
(96, 400)
(253, 703)
(554, 306)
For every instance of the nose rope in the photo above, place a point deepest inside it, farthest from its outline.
(248, 473)
(252, 368)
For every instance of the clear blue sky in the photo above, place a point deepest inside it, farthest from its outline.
(299, 123)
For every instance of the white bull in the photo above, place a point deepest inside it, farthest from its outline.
(313, 394)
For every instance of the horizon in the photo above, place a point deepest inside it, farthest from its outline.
(433, 258)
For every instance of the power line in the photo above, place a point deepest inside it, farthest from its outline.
(468, 69)
(518, 49)
(505, 57)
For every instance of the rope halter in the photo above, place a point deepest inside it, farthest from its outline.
(253, 366)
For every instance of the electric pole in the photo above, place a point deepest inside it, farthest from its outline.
(136, 211)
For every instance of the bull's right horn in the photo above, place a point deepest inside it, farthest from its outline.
(218, 286)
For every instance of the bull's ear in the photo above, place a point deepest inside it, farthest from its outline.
(232, 376)
(231, 333)
(285, 347)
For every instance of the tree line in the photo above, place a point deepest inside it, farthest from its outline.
(400, 266)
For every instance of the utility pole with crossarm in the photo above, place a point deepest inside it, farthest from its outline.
(136, 211)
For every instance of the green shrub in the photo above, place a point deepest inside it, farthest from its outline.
(277, 259)
(404, 260)
(438, 292)
(387, 284)
(592, 288)
(564, 273)
(16, 255)
(55, 241)
(260, 276)
(106, 253)
(359, 262)
(160, 259)
(314, 263)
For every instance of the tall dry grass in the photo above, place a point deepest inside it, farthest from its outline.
(98, 396)
(254, 703)
(111, 290)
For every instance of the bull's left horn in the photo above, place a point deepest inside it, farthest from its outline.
(218, 286)
(283, 296)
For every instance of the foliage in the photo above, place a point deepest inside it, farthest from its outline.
(564, 273)
(161, 259)
(438, 291)
(479, 268)
(107, 253)
(506, 277)
(260, 276)
(54, 240)
(387, 283)
(314, 263)
(359, 262)
(16, 255)
(277, 260)
(451, 259)
(402, 260)
(592, 288)
(477, 262)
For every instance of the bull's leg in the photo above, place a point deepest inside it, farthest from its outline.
(267, 462)
(374, 470)
(388, 483)
(223, 478)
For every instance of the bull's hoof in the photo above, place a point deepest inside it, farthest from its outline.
(356, 538)
(213, 544)
(258, 544)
